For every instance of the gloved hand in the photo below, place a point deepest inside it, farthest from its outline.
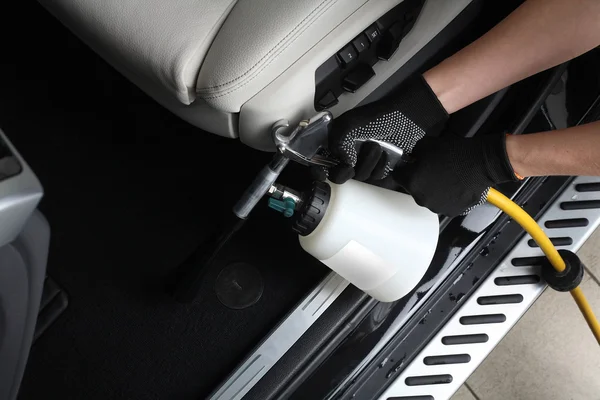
(451, 175)
(401, 118)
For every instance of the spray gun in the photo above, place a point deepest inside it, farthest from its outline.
(303, 145)
(300, 145)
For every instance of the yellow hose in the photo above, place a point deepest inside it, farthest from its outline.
(522, 218)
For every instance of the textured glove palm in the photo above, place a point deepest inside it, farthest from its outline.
(401, 118)
(451, 175)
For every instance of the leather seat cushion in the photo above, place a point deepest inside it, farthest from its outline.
(164, 41)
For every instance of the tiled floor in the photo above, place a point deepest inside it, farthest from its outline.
(550, 354)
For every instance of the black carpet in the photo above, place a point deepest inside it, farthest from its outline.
(130, 191)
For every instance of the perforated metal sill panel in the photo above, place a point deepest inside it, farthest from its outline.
(496, 306)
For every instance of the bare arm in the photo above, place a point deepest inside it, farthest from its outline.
(538, 35)
(573, 151)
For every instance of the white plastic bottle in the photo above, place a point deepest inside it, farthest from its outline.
(378, 239)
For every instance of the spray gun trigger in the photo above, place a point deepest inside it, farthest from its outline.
(395, 154)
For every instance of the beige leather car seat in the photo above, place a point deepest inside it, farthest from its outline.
(234, 68)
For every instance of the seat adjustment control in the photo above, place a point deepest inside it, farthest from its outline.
(348, 54)
(390, 41)
(361, 43)
(355, 79)
(353, 64)
(373, 33)
(327, 101)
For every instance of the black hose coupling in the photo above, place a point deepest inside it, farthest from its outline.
(568, 279)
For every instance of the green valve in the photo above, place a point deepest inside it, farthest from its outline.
(286, 207)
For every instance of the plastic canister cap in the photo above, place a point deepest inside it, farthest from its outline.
(313, 209)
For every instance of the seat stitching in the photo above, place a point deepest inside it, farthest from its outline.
(191, 90)
(234, 89)
(270, 51)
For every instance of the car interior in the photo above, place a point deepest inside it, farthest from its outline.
(129, 129)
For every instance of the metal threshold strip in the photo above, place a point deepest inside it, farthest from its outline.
(484, 318)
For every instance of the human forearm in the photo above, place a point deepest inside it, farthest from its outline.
(538, 35)
(572, 151)
(450, 174)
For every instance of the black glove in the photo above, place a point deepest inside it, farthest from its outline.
(451, 175)
(401, 118)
